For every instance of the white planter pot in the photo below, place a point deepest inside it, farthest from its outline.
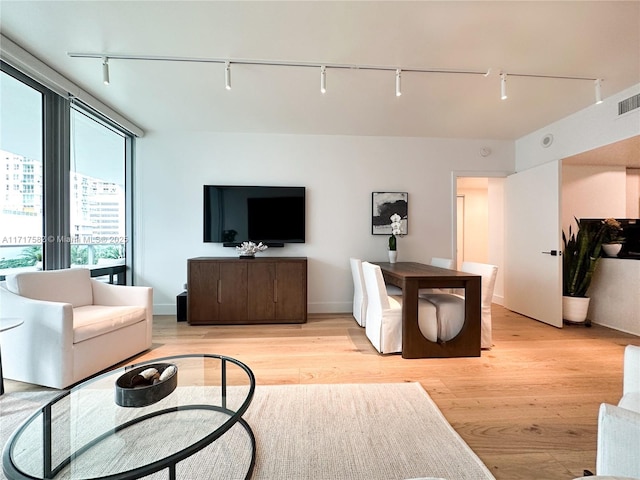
(393, 256)
(574, 309)
(612, 249)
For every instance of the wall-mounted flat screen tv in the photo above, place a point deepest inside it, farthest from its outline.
(272, 215)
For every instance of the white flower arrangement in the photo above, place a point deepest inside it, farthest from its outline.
(396, 226)
(396, 229)
(249, 249)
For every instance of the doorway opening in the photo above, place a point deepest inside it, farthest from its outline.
(479, 225)
(472, 209)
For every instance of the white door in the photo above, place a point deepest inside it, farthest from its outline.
(533, 275)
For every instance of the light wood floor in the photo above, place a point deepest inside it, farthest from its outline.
(528, 407)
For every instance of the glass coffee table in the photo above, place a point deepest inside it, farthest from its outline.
(190, 426)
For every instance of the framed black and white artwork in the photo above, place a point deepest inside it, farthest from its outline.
(384, 205)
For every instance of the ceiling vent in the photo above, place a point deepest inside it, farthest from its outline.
(629, 104)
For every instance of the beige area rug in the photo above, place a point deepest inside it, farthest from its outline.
(320, 432)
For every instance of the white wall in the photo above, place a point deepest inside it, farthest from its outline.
(587, 191)
(496, 234)
(339, 172)
(590, 191)
(592, 127)
(633, 193)
(476, 225)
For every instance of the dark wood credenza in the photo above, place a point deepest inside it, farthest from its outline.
(234, 291)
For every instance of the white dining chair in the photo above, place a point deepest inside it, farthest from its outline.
(384, 313)
(359, 292)
(441, 263)
(448, 315)
(450, 306)
(489, 273)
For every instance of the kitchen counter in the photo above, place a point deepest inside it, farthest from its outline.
(615, 295)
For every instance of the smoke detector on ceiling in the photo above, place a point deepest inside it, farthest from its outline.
(547, 140)
(485, 151)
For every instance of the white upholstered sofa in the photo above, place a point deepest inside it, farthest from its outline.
(74, 326)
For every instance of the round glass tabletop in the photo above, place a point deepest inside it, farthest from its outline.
(87, 433)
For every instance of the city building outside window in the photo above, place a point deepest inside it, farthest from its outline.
(97, 193)
(21, 209)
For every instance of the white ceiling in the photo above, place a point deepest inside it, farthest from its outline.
(594, 39)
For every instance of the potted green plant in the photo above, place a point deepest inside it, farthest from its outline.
(612, 238)
(582, 251)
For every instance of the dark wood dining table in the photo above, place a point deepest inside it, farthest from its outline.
(411, 277)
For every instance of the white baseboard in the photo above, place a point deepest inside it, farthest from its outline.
(330, 307)
(164, 309)
(318, 307)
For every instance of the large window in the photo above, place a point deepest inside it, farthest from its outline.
(64, 181)
(21, 193)
(97, 192)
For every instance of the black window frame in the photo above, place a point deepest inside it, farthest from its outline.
(56, 141)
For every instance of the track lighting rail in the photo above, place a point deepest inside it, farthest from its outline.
(398, 70)
(274, 63)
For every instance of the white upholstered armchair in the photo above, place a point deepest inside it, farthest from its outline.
(74, 326)
(618, 451)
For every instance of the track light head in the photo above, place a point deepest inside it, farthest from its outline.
(398, 82)
(598, 86)
(503, 86)
(323, 79)
(105, 70)
(227, 75)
